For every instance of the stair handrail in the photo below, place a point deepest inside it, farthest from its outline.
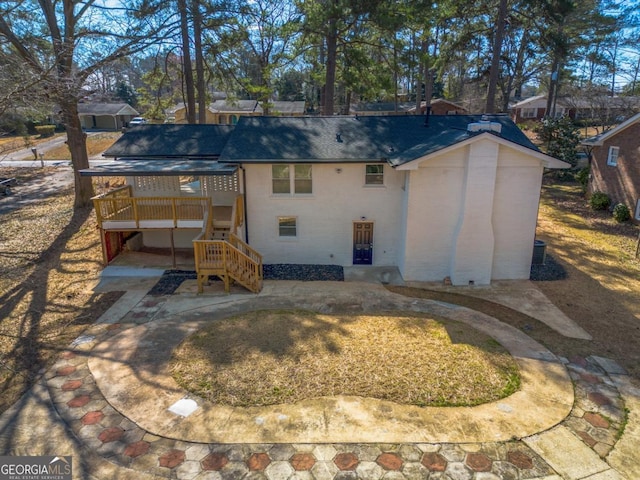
(233, 251)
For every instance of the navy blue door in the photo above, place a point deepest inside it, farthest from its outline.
(362, 243)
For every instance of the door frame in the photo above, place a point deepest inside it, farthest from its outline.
(353, 242)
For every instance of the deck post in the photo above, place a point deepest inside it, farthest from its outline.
(173, 248)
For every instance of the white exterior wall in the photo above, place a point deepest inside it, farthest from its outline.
(433, 209)
(515, 213)
(325, 218)
(472, 215)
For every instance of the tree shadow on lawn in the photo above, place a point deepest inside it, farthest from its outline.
(615, 331)
(34, 328)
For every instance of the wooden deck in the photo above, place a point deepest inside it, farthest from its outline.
(218, 250)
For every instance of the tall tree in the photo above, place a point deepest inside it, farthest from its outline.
(197, 46)
(330, 26)
(495, 57)
(75, 39)
(187, 67)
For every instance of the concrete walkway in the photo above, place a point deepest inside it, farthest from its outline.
(110, 403)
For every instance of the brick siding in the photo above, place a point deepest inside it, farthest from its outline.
(622, 182)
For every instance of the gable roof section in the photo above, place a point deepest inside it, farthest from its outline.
(171, 141)
(106, 109)
(284, 107)
(598, 140)
(393, 139)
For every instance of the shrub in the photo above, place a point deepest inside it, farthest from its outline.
(621, 213)
(583, 178)
(46, 130)
(599, 201)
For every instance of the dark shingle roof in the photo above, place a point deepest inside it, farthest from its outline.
(171, 141)
(396, 139)
(106, 109)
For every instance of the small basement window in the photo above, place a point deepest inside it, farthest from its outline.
(287, 227)
(612, 158)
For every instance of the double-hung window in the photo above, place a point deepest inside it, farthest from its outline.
(287, 227)
(374, 175)
(612, 158)
(291, 179)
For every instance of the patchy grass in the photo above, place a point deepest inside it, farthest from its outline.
(274, 357)
(12, 143)
(49, 255)
(601, 292)
(96, 144)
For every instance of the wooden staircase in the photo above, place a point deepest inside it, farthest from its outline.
(232, 260)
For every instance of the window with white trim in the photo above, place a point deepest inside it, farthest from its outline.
(612, 158)
(287, 227)
(374, 174)
(529, 113)
(291, 179)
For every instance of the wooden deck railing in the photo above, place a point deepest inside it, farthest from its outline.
(231, 260)
(119, 210)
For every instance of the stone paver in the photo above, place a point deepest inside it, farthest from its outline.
(114, 446)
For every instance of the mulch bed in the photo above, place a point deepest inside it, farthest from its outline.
(550, 270)
(172, 279)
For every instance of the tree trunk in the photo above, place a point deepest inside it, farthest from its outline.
(553, 85)
(495, 58)
(77, 143)
(418, 77)
(428, 77)
(330, 78)
(200, 82)
(186, 62)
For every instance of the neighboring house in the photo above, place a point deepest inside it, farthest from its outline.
(440, 106)
(381, 108)
(284, 108)
(454, 197)
(615, 164)
(603, 108)
(228, 112)
(535, 108)
(599, 108)
(105, 116)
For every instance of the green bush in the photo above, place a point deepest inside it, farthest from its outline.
(599, 201)
(583, 178)
(46, 130)
(621, 213)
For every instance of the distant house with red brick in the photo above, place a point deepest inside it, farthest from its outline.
(615, 164)
(440, 106)
(535, 108)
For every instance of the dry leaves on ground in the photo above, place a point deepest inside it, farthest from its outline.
(49, 258)
(272, 357)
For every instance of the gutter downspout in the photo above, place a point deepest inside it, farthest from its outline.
(244, 191)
